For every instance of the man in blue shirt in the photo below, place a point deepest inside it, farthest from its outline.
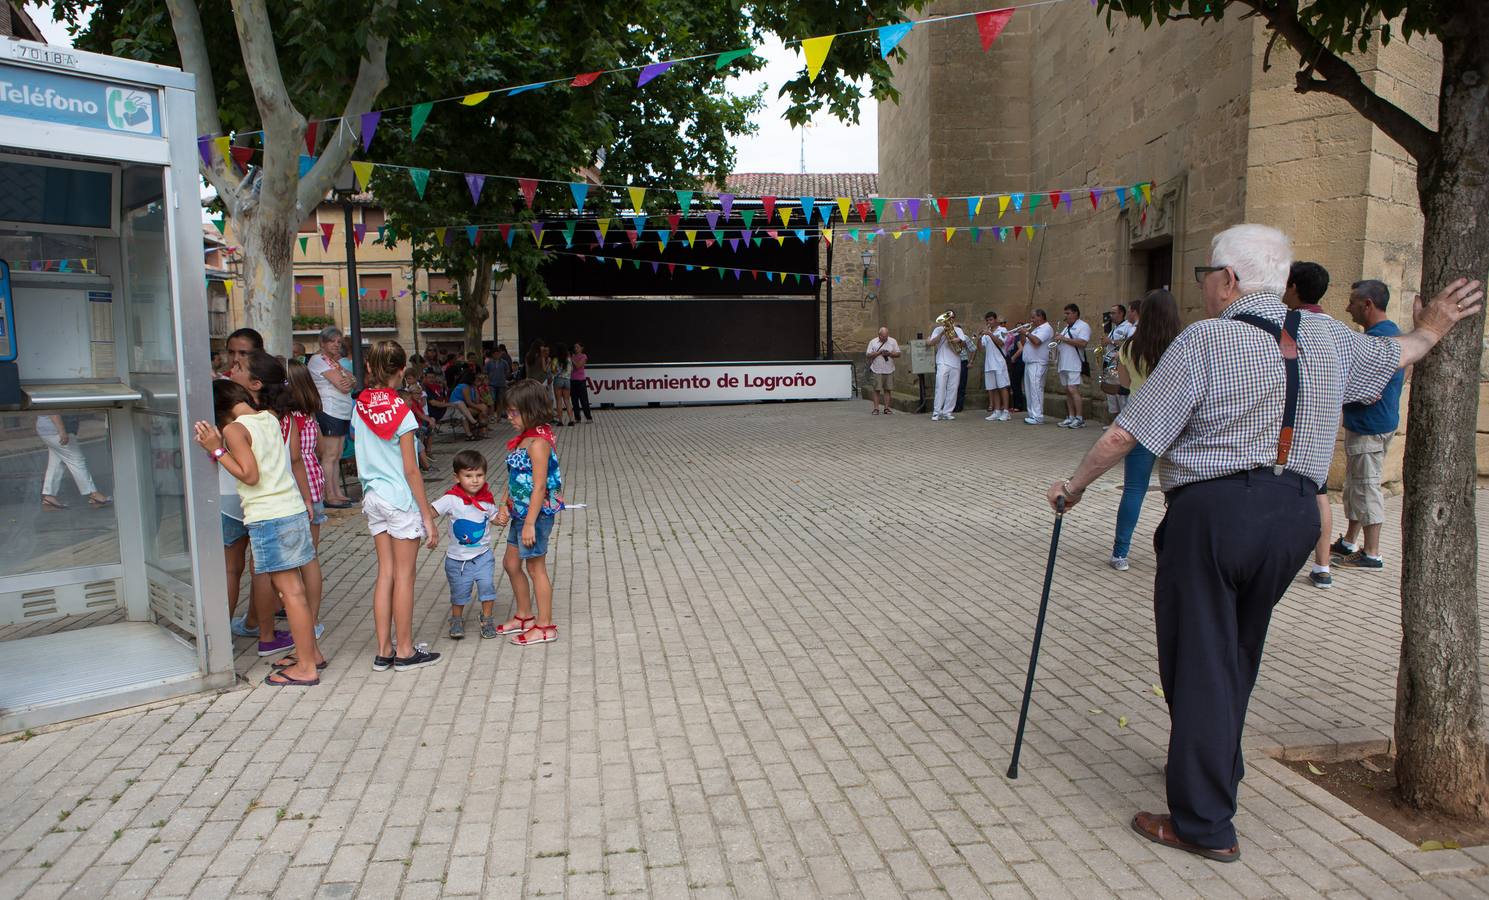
(1368, 429)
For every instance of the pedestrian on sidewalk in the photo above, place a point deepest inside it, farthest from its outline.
(1244, 448)
(276, 510)
(1071, 343)
(882, 351)
(304, 405)
(398, 513)
(579, 382)
(533, 503)
(1368, 430)
(1307, 282)
(1137, 357)
(469, 563)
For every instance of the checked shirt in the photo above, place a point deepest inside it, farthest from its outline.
(1213, 404)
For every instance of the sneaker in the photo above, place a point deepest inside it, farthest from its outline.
(1077, 422)
(1361, 561)
(992, 417)
(240, 628)
(457, 627)
(1066, 422)
(382, 663)
(488, 627)
(935, 417)
(320, 629)
(282, 643)
(421, 657)
(1119, 563)
(1340, 549)
(1030, 420)
(1004, 416)
(949, 417)
(1321, 579)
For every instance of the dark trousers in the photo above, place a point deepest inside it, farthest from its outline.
(579, 392)
(961, 390)
(1016, 398)
(1227, 551)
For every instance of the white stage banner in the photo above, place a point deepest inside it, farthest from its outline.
(739, 382)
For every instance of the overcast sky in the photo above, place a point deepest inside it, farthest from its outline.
(831, 146)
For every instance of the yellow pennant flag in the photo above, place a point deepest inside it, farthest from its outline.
(439, 236)
(1002, 205)
(1029, 232)
(897, 234)
(780, 240)
(228, 283)
(604, 226)
(816, 51)
(223, 150)
(661, 247)
(785, 214)
(1147, 192)
(690, 235)
(618, 263)
(343, 292)
(707, 268)
(949, 232)
(638, 197)
(977, 210)
(363, 171)
(843, 208)
(827, 235)
(474, 99)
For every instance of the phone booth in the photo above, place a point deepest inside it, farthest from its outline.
(111, 569)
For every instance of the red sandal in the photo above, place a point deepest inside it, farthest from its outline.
(546, 634)
(521, 626)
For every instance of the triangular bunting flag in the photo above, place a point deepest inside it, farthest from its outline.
(363, 171)
(712, 218)
(1002, 204)
(220, 223)
(1034, 201)
(843, 203)
(652, 71)
(827, 235)
(923, 234)
(801, 234)
(569, 232)
(580, 190)
(1147, 189)
(726, 204)
(990, 24)
(769, 203)
(601, 227)
(475, 182)
(1065, 199)
(890, 37)
(311, 128)
(536, 85)
(1018, 201)
(808, 204)
(914, 209)
(1018, 231)
(304, 245)
(729, 57)
(816, 52)
(306, 164)
(223, 146)
(672, 221)
(242, 156)
(785, 216)
(633, 236)
(863, 207)
(505, 230)
(1095, 198)
(359, 232)
(474, 99)
(204, 149)
(638, 197)
(472, 235)
(942, 204)
(748, 215)
(976, 234)
(421, 180)
(538, 233)
(949, 232)
(369, 127)
(685, 201)
(974, 206)
(691, 236)
(529, 188)
(326, 229)
(440, 236)
(640, 223)
(1121, 193)
(585, 80)
(417, 118)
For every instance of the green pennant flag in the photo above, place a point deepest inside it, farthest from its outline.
(727, 58)
(635, 263)
(878, 203)
(718, 234)
(417, 119)
(219, 222)
(685, 200)
(756, 240)
(569, 232)
(421, 180)
(748, 215)
(1034, 200)
(304, 244)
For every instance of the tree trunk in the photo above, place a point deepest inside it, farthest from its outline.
(473, 304)
(268, 276)
(1440, 735)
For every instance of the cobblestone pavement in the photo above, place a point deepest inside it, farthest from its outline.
(793, 641)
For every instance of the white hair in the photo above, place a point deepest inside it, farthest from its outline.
(1260, 256)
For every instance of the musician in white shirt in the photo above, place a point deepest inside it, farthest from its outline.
(1072, 341)
(948, 364)
(1035, 352)
(994, 367)
(1125, 320)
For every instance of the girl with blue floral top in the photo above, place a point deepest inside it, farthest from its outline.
(533, 503)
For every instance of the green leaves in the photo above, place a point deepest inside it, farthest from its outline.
(1344, 26)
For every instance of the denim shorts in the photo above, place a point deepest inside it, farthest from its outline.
(281, 544)
(233, 530)
(466, 574)
(543, 527)
(331, 426)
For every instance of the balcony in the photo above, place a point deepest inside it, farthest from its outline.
(378, 314)
(311, 314)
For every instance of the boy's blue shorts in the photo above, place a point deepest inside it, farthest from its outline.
(477, 574)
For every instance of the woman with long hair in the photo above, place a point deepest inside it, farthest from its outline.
(1136, 360)
(563, 370)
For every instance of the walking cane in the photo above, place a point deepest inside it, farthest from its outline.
(1044, 605)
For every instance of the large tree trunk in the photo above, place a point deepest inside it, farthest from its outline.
(1439, 708)
(473, 303)
(268, 277)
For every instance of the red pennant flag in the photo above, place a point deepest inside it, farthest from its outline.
(585, 80)
(863, 210)
(941, 203)
(242, 156)
(631, 233)
(708, 242)
(529, 189)
(1018, 230)
(1096, 198)
(990, 24)
(671, 267)
(506, 233)
(383, 293)
(770, 206)
(326, 229)
(1054, 201)
(310, 130)
(673, 220)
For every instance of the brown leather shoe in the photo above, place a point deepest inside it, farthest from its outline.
(1160, 830)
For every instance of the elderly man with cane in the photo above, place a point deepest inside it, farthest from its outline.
(1242, 411)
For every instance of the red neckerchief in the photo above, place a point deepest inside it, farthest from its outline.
(483, 496)
(382, 410)
(542, 431)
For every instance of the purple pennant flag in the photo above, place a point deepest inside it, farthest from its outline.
(369, 127)
(734, 245)
(36, 265)
(899, 209)
(748, 234)
(726, 203)
(652, 71)
(359, 230)
(204, 147)
(736, 274)
(475, 183)
(1065, 199)
(813, 278)
(654, 266)
(915, 209)
(712, 217)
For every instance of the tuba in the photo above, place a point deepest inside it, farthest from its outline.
(947, 320)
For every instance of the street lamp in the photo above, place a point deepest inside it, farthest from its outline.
(868, 260)
(345, 187)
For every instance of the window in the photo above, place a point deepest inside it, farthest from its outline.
(310, 298)
(374, 218)
(378, 287)
(310, 225)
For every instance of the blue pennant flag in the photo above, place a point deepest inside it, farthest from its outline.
(890, 37)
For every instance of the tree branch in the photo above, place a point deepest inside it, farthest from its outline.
(186, 22)
(284, 127)
(1341, 80)
(372, 77)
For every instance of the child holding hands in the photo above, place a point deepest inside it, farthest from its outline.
(469, 562)
(533, 504)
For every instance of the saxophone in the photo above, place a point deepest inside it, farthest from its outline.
(948, 321)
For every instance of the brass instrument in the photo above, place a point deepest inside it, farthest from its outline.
(947, 320)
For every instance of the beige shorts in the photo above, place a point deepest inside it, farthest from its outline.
(1365, 458)
(384, 517)
(883, 381)
(1070, 379)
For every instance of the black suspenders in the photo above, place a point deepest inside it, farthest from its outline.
(1287, 342)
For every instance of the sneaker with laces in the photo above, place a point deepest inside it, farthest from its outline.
(1077, 422)
(1119, 563)
(1361, 561)
(420, 657)
(488, 627)
(992, 417)
(949, 417)
(457, 627)
(1339, 549)
(382, 663)
(1321, 580)
(1065, 422)
(1004, 416)
(1030, 420)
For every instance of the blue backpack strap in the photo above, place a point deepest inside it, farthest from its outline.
(1287, 341)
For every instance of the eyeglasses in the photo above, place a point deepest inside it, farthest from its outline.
(1201, 271)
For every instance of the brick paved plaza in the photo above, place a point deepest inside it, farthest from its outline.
(793, 640)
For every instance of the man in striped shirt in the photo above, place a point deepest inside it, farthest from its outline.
(1242, 411)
